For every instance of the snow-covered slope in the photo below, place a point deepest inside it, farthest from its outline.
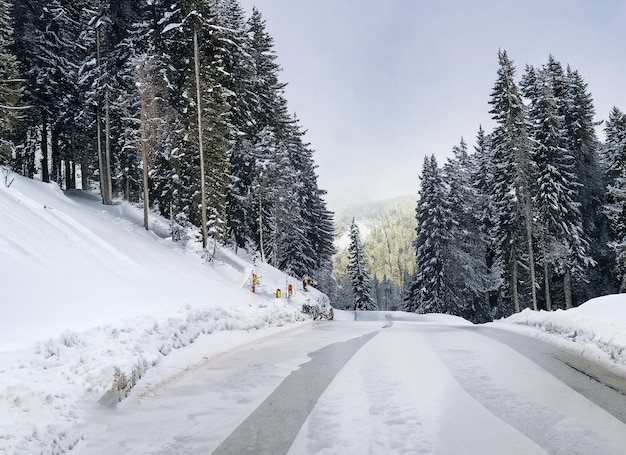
(90, 300)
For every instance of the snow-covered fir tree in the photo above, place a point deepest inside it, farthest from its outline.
(615, 208)
(10, 87)
(428, 292)
(358, 270)
(466, 268)
(558, 219)
(511, 186)
(585, 147)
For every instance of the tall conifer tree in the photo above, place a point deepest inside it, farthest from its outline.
(358, 270)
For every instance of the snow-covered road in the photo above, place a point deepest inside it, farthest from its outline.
(409, 388)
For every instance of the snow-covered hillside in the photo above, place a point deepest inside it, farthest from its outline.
(91, 300)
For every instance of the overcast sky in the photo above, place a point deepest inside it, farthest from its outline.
(379, 84)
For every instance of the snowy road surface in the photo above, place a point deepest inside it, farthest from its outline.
(412, 388)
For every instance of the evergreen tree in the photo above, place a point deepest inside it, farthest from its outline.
(589, 172)
(466, 268)
(615, 208)
(359, 273)
(10, 84)
(483, 179)
(428, 291)
(511, 186)
(558, 213)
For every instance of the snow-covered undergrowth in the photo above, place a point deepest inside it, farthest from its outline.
(91, 301)
(597, 327)
(45, 390)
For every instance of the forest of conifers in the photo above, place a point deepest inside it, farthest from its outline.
(535, 216)
(173, 102)
(177, 105)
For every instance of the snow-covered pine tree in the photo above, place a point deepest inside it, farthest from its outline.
(156, 46)
(253, 185)
(38, 50)
(589, 172)
(359, 272)
(218, 131)
(559, 225)
(239, 65)
(483, 181)
(127, 107)
(10, 83)
(615, 208)
(466, 268)
(428, 292)
(511, 185)
(308, 244)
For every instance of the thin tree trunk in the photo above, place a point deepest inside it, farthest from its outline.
(172, 225)
(196, 52)
(567, 288)
(514, 291)
(107, 149)
(104, 161)
(84, 183)
(531, 255)
(144, 158)
(57, 172)
(45, 171)
(144, 154)
(73, 175)
(546, 275)
(261, 246)
(68, 175)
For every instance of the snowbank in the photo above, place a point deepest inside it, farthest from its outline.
(597, 328)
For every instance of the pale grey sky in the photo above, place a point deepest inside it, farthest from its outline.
(380, 84)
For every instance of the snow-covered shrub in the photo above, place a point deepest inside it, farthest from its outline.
(319, 308)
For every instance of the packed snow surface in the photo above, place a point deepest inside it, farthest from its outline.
(91, 302)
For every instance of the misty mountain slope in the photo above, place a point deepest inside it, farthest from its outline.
(388, 230)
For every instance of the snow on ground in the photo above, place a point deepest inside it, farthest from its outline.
(91, 301)
(595, 329)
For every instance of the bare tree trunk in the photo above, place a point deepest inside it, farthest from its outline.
(107, 149)
(531, 254)
(144, 158)
(57, 171)
(567, 288)
(45, 171)
(201, 150)
(68, 175)
(104, 161)
(261, 246)
(546, 276)
(83, 175)
(514, 291)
